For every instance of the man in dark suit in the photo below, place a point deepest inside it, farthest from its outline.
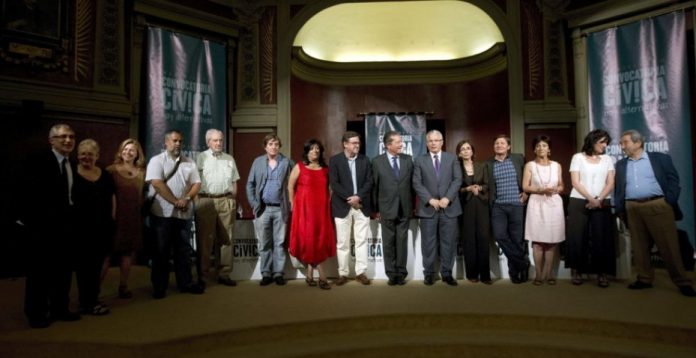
(350, 178)
(507, 201)
(437, 177)
(646, 194)
(392, 172)
(50, 268)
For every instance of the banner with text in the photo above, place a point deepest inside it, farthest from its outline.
(637, 76)
(411, 127)
(185, 90)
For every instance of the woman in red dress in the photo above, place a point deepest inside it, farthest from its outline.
(312, 235)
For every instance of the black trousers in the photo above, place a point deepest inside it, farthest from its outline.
(395, 246)
(49, 272)
(590, 239)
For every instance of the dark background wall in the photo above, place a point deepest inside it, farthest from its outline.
(476, 110)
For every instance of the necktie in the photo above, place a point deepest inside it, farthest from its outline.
(437, 165)
(64, 180)
(395, 167)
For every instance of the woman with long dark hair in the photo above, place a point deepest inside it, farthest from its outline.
(590, 238)
(312, 234)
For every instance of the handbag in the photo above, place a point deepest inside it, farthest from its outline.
(149, 200)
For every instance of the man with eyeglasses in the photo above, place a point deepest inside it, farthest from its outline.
(49, 274)
(350, 178)
(437, 177)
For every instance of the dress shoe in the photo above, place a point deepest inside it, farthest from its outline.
(158, 295)
(279, 280)
(515, 278)
(449, 280)
(195, 289)
(487, 282)
(362, 279)
(639, 285)
(401, 281)
(473, 280)
(428, 280)
(341, 281)
(265, 281)
(39, 323)
(393, 281)
(227, 281)
(66, 316)
(687, 291)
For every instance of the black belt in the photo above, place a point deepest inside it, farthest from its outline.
(214, 196)
(271, 204)
(645, 200)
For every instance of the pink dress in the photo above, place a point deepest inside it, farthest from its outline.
(545, 220)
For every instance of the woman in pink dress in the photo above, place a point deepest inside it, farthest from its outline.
(545, 222)
(312, 234)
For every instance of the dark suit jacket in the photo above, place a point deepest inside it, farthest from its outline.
(480, 178)
(390, 193)
(257, 181)
(517, 162)
(47, 213)
(429, 186)
(341, 184)
(666, 175)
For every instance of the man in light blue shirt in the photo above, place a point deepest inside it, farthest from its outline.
(646, 194)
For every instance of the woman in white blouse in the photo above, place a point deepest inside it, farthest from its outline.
(590, 238)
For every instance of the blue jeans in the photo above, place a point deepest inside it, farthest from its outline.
(508, 230)
(171, 234)
(270, 229)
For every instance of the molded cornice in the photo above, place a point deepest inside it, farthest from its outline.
(314, 70)
(185, 15)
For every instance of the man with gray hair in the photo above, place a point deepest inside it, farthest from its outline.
(646, 196)
(437, 177)
(216, 209)
(49, 273)
(174, 182)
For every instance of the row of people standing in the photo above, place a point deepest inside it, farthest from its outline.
(82, 225)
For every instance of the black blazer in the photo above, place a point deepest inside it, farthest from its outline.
(47, 207)
(341, 184)
(517, 162)
(480, 178)
(666, 175)
(391, 193)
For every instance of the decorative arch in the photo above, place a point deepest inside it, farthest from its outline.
(505, 22)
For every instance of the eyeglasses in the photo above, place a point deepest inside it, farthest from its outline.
(64, 136)
(354, 143)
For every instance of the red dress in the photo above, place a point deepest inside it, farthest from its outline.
(312, 234)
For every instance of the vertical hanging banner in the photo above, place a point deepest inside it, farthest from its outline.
(185, 90)
(637, 75)
(411, 127)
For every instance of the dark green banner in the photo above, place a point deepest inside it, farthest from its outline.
(638, 79)
(411, 127)
(185, 90)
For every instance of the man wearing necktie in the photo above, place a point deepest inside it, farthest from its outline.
(392, 192)
(437, 177)
(49, 270)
